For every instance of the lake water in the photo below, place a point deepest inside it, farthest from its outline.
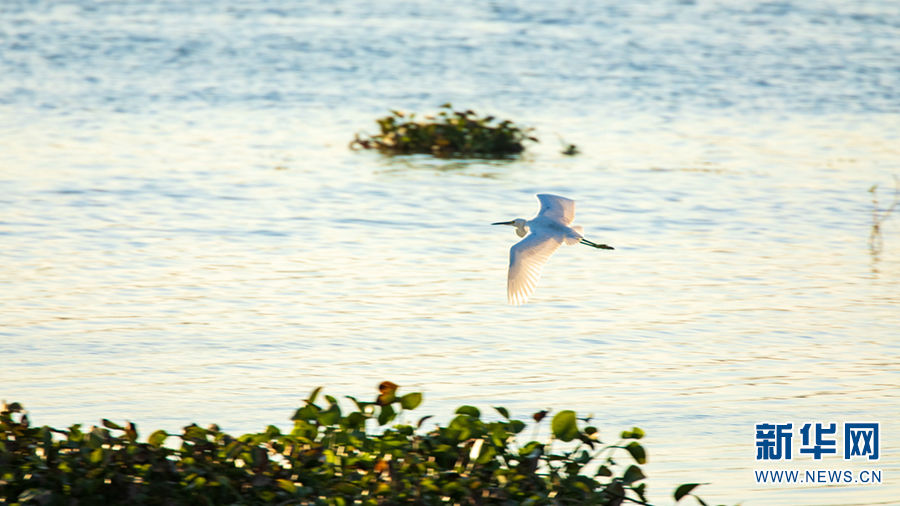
(185, 237)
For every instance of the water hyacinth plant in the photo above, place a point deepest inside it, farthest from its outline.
(329, 457)
(448, 134)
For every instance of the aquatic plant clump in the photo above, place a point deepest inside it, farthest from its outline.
(448, 134)
(329, 457)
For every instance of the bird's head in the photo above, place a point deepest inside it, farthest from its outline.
(520, 224)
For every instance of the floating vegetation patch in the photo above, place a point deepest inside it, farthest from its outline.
(449, 133)
(568, 149)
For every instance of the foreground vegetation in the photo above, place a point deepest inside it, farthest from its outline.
(448, 134)
(329, 457)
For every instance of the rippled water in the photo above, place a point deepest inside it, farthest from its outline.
(184, 235)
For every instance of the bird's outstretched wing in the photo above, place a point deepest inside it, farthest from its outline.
(526, 259)
(557, 208)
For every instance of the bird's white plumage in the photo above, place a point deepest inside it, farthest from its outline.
(557, 208)
(526, 260)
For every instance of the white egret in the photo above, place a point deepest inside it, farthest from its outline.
(549, 229)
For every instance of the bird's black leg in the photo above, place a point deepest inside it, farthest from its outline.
(595, 245)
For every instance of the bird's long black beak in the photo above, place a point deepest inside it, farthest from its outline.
(511, 222)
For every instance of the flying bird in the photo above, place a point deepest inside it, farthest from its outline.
(548, 230)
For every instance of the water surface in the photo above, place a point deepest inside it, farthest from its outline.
(185, 237)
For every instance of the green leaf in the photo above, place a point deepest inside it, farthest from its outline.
(302, 428)
(360, 405)
(157, 438)
(461, 427)
(603, 471)
(634, 433)
(422, 420)
(194, 432)
(355, 420)
(131, 432)
(411, 401)
(287, 485)
(616, 490)
(637, 451)
(633, 474)
(312, 396)
(640, 490)
(487, 454)
(564, 425)
(469, 410)
(308, 412)
(386, 415)
(330, 416)
(96, 456)
(98, 436)
(75, 434)
(111, 425)
(499, 435)
(684, 490)
(583, 458)
(503, 411)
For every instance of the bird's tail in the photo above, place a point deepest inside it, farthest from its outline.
(576, 237)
